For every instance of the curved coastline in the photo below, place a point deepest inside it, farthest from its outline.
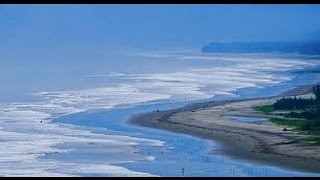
(261, 142)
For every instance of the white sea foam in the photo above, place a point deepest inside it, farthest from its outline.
(24, 139)
(27, 133)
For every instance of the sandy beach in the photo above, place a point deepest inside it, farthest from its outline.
(261, 142)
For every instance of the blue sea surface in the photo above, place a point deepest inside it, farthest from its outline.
(181, 155)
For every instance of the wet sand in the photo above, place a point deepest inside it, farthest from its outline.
(261, 142)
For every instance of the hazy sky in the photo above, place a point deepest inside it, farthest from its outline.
(44, 45)
(54, 26)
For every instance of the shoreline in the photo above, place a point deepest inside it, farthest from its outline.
(261, 142)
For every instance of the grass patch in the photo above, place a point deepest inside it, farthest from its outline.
(312, 140)
(299, 114)
(266, 109)
(297, 124)
(305, 126)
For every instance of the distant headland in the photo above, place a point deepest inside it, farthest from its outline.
(307, 48)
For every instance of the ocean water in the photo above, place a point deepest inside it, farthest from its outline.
(81, 130)
(181, 155)
(247, 119)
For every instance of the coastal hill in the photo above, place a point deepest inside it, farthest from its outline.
(308, 48)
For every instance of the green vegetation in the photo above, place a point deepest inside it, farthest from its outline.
(313, 140)
(316, 91)
(296, 124)
(309, 127)
(301, 115)
(294, 104)
(266, 109)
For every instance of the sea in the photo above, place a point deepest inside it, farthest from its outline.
(70, 118)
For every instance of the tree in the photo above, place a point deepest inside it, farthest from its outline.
(316, 92)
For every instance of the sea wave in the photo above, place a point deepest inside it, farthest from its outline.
(27, 131)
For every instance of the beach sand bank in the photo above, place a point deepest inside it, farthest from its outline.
(261, 141)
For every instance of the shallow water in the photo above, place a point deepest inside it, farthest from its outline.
(67, 146)
(247, 118)
(182, 155)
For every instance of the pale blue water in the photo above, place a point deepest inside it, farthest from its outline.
(247, 119)
(195, 155)
(180, 151)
